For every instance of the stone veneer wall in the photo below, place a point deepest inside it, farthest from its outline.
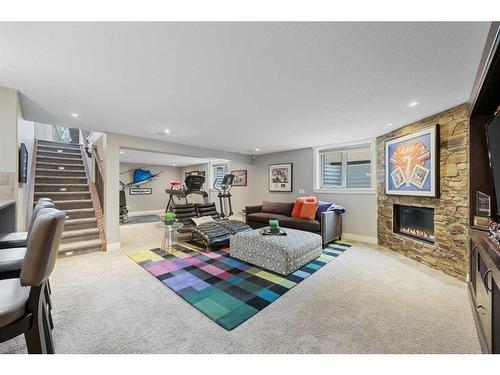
(451, 208)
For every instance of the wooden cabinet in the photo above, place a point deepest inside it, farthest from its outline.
(484, 281)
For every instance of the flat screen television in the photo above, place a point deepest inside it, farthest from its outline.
(493, 138)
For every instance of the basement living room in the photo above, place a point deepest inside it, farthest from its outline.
(345, 201)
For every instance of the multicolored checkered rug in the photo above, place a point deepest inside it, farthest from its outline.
(226, 290)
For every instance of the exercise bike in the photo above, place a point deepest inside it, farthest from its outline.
(223, 185)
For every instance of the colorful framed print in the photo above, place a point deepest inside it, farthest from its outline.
(280, 177)
(240, 177)
(412, 163)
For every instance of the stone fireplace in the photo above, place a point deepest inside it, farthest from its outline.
(444, 218)
(414, 222)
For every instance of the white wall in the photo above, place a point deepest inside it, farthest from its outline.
(157, 201)
(43, 132)
(8, 125)
(9, 111)
(360, 219)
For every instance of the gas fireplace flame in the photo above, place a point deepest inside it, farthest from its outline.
(418, 233)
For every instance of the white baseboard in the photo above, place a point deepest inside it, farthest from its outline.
(143, 213)
(113, 246)
(360, 238)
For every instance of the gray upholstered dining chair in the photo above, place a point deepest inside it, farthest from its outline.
(11, 257)
(23, 305)
(20, 239)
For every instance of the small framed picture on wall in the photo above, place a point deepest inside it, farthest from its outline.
(281, 177)
(240, 177)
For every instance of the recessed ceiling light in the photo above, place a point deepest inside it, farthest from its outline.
(173, 165)
(257, 149)
(121, 152)
(413, 104)
(166, 131)
(388, 124)
(75, 115)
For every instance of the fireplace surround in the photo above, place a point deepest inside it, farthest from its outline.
(415, 222)
(449, 252)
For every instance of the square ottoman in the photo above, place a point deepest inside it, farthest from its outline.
(281, 254)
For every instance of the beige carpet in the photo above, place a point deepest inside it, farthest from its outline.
(366, 301)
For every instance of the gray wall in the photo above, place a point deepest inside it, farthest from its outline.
(157, 201)
(360, 219)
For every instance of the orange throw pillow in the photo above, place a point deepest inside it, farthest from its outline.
(297, 207)
(308, 210)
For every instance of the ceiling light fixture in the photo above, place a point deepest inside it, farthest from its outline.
(75, 115)
(166, 131)
(121, 152)
(257, 149)
(388, 124)
(413, 104)
(173, 165)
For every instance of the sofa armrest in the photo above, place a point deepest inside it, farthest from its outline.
(331, 226)
(252, 209)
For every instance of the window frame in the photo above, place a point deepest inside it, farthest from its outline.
(212, 166)
(318, 151)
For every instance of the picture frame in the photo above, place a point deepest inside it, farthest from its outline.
(412, 164)
(240, 177)
(280, 177)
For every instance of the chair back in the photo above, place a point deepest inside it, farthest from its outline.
(40, 204)
(43, 245)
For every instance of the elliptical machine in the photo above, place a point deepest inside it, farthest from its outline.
(223, 186)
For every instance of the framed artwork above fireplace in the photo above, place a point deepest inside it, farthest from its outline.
(412, 162)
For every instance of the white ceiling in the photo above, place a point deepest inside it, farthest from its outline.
(156, 158)
(239, 86)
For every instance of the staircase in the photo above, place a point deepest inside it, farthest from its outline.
(61, 174)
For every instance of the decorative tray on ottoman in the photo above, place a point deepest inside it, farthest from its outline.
(269, 232)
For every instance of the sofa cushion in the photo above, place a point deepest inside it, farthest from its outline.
(308, 210)
(264, 217)
(301, 224)
(281, 208)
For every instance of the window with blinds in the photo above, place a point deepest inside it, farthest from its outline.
(346, 168)
(218, 172)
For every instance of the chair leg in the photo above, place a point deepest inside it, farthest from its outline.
(49, 303)
(47, 330)
(38, 337)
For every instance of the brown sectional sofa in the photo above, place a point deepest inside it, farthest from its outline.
(330, 226)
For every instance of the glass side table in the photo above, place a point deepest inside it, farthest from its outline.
(170, 236)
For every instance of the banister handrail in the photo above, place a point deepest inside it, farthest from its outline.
(97, 202)
(100, 164)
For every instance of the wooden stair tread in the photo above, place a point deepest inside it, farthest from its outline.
(76, 210)
(79, 232)
(80, 221)
(56, 193)
(74, 201)
(80, 165)
(80, 245)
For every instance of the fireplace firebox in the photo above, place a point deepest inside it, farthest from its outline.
(415, 222)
